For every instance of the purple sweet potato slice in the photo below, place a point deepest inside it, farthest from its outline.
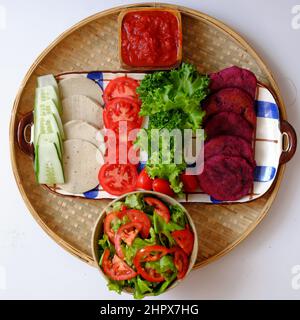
(228, 123)
(226, 178)
(234, 77)
(234, 100)
(229, 146)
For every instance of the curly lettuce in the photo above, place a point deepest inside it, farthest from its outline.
(172, 100)
(179, 89)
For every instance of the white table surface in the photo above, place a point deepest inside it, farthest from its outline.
(32, 266)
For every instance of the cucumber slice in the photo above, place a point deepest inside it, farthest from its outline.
(50, 169)
(52, 138)
(48, 107)
(46, 125)
(47, 80)
(36, 162)
(47, 93)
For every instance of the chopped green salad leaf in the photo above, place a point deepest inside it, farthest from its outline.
(117, 223)
(138, 243)
(135, 201)
(164, 229)
(116, 286)
(178, 216)
(117, 206)
(103, 244)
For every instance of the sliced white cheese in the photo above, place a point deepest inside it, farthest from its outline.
(82, 162)
(79, 107)
(81, 86)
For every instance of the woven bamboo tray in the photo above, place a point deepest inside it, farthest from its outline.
(93, 45)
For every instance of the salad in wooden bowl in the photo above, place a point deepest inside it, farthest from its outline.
(145, 243)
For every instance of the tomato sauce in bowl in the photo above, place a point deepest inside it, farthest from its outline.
(150, 38)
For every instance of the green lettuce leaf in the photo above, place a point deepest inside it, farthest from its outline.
(164, 266)
(164, 230)
(116, 286)
(172, 100)
(178, 216)
(169, 172)
(165, 285)
(183, 89)
(135, 201)
(141, 288)
(117, 206)
(105, 243)
(138, 243)
(117, 223)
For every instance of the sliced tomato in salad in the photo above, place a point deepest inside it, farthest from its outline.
(127, 233)
(123, 207)
(116, 269)
(141, 217)
(121, 87)
(154, 253)
(122, 109)
(149, 253)
(159, 207)
(152, 275)
(107, 224)
(181, 261)
(118, 179)
(185, 239)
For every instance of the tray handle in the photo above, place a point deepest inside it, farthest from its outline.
(291, 142)
(25, 143)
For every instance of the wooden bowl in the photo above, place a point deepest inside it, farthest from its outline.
(98, 231)
(176, 13)
(91, 45)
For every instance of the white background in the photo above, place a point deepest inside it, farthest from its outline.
(32, 266)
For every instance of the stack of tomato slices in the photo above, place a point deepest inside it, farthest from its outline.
(122, 107)
(113, 261)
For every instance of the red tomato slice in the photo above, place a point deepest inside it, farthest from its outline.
(185, 239)
(153, 275)
(121, 87)
(127, 233)
(116, 269)
(144, 181)
(181, 261)
(162, 186)
(122, 109)
(154, 253)
(118, 179)
(123, 207)
(149, 253)
(107, 224)
(141, 217)
(190, 182)
(159, 207)
(129, 154)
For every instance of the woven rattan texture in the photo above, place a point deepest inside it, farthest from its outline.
(93, 46)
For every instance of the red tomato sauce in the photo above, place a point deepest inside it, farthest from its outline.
(150, 39)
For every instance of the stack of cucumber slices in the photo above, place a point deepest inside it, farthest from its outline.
(48, 132)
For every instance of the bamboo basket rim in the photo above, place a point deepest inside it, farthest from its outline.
(187, 11)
